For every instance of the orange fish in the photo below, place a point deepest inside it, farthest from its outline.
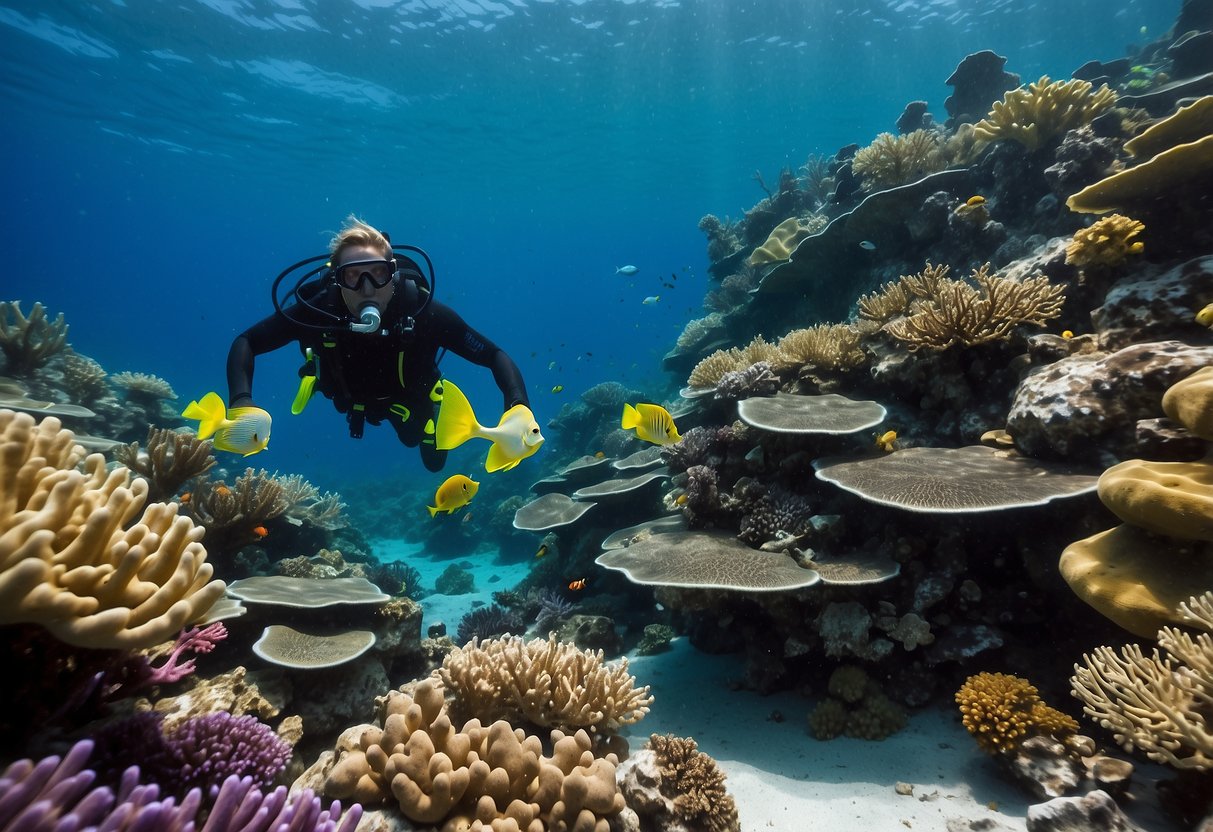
(577, 585)
(260, 531)
(222, 490)
(185, 498)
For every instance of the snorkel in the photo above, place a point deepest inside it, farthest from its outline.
(370, 317)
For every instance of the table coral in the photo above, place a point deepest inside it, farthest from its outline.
(1158, 703)
(68, 560)
(1001, 711)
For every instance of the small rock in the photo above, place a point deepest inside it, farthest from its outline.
(1113, 775)
(906, 789)
(1095, 812)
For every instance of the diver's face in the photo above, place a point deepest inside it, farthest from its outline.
(358, 281)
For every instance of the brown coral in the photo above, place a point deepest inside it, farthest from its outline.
(895, 160)
(1001, 711)
(695, 783)
(1108, 242)
(172, 458)
(231, 514)
(1044, 111)
(29, 342)
(828, 346)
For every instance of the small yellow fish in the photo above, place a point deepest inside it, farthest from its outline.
(975, 200)
(241, 430)
(1067, 334)
(515, 438)
(682, 500)
(558, 388)
(599, 454)
(653, 423)
(542, 550)
(887, 441)
(456, 492)
(1205, 316)
(1137, 248)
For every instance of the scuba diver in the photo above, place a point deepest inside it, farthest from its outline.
(371, 333)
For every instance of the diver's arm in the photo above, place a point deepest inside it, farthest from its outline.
(455, 335)
(264, 336)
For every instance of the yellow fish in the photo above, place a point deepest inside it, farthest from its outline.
(456, 492)
(1205, 316)
(974, 201)
(886, 441)
(1067, 334)
(515, 438)
(241, 430)
(558, 388)
(542, 550)
(653, 423)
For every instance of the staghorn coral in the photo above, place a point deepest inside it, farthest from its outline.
(68, 560)
(963, 314)
(1042, 112)
(172, 459)
(306, 504)
(897, 297)
(896, 160)
(28, 343)
(475, 777)
(1108, 242)
(695, 784)
(1161, 704)
(826, 346)
(1002, 711)
(543, 682)
(144, 387)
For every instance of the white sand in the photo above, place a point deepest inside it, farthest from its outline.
(780, 776)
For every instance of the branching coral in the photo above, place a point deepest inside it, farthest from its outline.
(1044, 111)
(695, 783)
(543, 682)
(83, 378)
(306, 504)
(144, 387)
(1001, 711)
(826, 346)
(68, 560)
(895, 298)
(172, 459)
(1108, 242)
(895, 160)
(708, 372)
(231, 514)
(28, 343)
(963, 314)
(1161, 704)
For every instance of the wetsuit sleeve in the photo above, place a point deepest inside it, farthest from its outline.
(453, 333)
(264, 336)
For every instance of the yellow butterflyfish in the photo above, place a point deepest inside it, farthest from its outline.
(456, 492)
(1205, 316)
(515, 438)
(241, 430)
(652, 422)
(887, 441)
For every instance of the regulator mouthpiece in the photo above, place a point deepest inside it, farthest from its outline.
(369, 319)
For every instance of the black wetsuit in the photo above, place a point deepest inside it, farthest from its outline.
(374, 376)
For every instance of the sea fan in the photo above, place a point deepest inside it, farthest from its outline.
(487, 622)
(552, 608)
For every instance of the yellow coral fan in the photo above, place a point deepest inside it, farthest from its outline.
(709, 371)
(1001, 711)
(1043, 111)
(1108, 242)
(895, 160)
(695, 784)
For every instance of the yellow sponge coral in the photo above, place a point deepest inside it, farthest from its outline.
(1108, 242)
(1001, 711)
(1168, 498)
(1190, 402)
(70, 559)
(781, 242)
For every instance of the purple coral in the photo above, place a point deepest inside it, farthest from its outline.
(701, 490)
(699, 446)
(196, 640)
(487, 622)
(776, 511)
(58, 793)
(209, 749)
(552, 607)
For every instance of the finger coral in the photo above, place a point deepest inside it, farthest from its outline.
(1108, 242)
(72, 561)
(1160, 704)
(895, 160)
(543, 682)
(1043, 111)
(1001, 711)
(960, 313)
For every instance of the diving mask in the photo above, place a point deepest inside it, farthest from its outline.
(353, 274)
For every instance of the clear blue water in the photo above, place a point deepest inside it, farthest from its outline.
(162, 161)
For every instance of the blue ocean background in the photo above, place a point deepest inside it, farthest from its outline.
(163, 161)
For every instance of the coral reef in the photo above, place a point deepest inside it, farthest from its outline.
(67, 560)
(231, 515)
(543, 682)
(488, 622)
(1002, 711)
(692, 784)
(856, 707)
(1158, 703)
(170, 460)
(1107, 242)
